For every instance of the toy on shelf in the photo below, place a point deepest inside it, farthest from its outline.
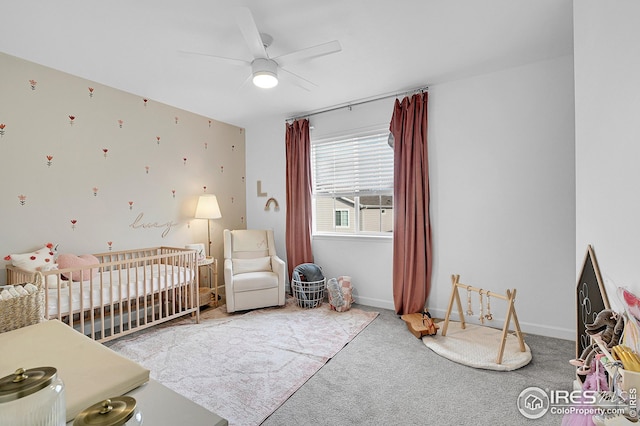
(609, 326)
(629, 359)
(631, 304)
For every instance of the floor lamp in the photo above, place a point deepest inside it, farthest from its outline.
(208, 208)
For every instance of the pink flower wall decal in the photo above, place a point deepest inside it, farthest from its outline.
(173, 193)
(110, 243)
(73, 223)
(90, 92)
(206, 145)
(176, 118)
(184, 160)
(71, 118)
(33, 84)
(2, 126)
(146, 168)
(221, 169)
(23, 199)
(145, 101)
(232, 199)
(95, 191)
(158, 139)
(105, 150)
(233, 147)
(120, 123)
(242, 179)
(209, 123)
(241, 219)
(49, 158)
(204, 189)
(130, 205)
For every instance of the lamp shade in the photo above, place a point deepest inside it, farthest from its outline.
(208, 207)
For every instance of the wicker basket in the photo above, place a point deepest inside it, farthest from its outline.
(309, 294)
(23, 310)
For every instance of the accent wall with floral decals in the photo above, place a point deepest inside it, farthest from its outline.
(93, 169)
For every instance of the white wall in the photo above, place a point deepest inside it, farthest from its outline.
(502, 192)
(265, 162)
(607, 70)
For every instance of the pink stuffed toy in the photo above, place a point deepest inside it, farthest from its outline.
(67, 261)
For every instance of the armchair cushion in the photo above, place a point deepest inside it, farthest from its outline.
(250, 240)
(253, 281)
(259, 264)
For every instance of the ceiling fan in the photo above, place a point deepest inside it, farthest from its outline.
(265, 70)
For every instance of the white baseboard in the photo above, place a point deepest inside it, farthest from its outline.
(526, 327)
(376, 303)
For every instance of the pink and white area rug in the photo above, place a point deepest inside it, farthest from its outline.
(243, 366)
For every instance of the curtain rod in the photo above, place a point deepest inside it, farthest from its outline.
(366, 101)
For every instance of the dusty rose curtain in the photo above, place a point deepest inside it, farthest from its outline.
(298, 151)
(411, 229)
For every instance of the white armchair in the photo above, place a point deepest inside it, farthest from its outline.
(254, 276)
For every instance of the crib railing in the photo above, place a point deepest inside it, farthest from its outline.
(125, 292)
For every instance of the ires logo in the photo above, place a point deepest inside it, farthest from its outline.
(534, 402)
(562, 397)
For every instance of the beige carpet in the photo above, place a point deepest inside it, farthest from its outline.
(243, 366)
(477, 346)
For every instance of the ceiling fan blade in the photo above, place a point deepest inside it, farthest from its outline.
(246, 82)
(297, 80)
(250, 32)
(219, 58)
(308, 53)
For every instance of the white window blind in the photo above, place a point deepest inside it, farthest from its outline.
(353, 166)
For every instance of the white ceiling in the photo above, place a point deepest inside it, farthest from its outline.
(388, 46)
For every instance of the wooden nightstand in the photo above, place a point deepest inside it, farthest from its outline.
(211, 264)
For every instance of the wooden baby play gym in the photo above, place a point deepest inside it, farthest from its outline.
(510, 298)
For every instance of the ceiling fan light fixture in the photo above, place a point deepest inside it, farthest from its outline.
(265, 80)
(265, 73)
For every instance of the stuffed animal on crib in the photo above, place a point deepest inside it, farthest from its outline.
(609, 325)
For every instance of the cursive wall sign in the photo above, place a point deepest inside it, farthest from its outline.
(166, 226)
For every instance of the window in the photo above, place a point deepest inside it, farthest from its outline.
(353, 184)
(342, 218)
